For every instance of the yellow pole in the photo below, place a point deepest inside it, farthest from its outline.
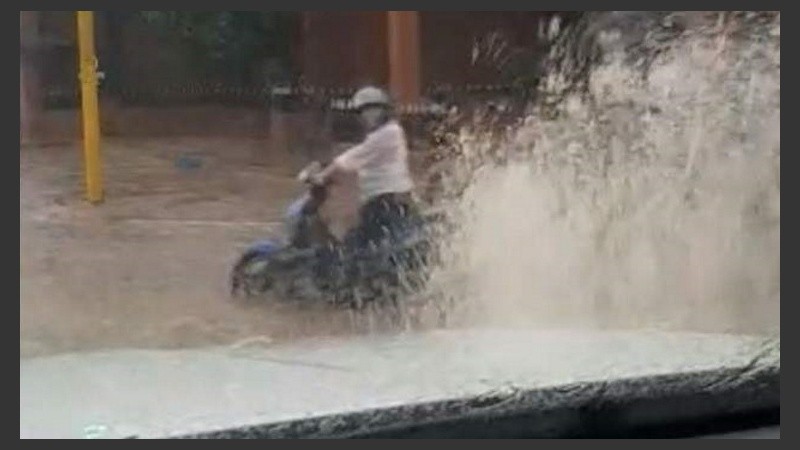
(89, 106)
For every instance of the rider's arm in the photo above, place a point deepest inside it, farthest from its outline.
(356, 157)
(379, 144)
(324, 176)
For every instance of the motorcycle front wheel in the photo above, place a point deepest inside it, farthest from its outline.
(251, 275)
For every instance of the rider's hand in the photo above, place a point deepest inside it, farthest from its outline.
(316, 179)
(305, 175)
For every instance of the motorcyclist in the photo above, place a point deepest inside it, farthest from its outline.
(381, 162)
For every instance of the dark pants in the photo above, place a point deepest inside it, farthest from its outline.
(381, 218)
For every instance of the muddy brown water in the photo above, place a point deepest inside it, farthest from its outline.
(149, 267)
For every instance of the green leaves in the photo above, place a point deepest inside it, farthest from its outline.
(236, 39)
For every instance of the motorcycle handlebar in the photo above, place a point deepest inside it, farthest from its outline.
(307, 174)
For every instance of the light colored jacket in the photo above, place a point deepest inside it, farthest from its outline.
(381, 162)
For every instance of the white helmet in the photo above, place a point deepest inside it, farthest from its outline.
(371, 95)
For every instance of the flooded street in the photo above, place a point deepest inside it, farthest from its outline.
(149, 267)
(649, 199)
(536, 224)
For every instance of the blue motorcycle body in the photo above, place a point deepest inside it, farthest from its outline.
(298, 267)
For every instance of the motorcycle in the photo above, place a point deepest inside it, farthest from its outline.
(316, 260)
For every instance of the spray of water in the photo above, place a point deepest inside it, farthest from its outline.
(651, 201)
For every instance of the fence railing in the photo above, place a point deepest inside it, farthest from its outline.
(436, 97)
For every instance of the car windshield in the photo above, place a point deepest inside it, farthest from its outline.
(235, 218)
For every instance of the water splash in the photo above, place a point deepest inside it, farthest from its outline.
(651, 199)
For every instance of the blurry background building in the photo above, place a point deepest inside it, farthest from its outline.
(173, 72)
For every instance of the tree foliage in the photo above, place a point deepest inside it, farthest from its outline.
(232, 41)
